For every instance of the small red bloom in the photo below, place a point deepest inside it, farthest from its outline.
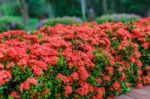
(32, 81)
(116, 86)
(36, 70)
(75, 76)
(10, 65)
(83, 73)
(5, 76)
(145, 45)
(137, 55)
(139, 73)
(15, 95)
(26, 84)
(132, 59)
(98, 80)
(1, 66)
(111, 62)
(63, 78)
(139, 63)
(123, 76)
(68, 90)
(107, 78)
(109, 69)
(139, 85)
(83, 90)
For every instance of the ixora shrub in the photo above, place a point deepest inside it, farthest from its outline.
(117, 18)
(86, 61)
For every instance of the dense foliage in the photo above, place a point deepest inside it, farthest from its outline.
(117, 18)
(10, 23)
(60, 8)
(75, 61)
(16, 23)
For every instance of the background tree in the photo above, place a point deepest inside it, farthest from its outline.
(59, 8)
(83, 8)
(66, 7)
(24, 10)
(104, 6)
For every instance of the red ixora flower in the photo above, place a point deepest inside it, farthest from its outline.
(145, 45)
(5, 76)
(112, 62)
(123, 76)
(109, 69)
(26, 84)
(36, 70)
(116, 86)
(74, 76)
(68, 90)
(139, 85)
(83, 73)
(83, 90)
(64, 79)
(107, 78)
(15, 95)
(100, 92)
(1, 66)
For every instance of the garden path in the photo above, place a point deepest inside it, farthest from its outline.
(143, 93)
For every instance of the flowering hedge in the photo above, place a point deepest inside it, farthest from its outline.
(79, 61)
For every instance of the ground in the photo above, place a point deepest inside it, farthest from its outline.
(143, 93)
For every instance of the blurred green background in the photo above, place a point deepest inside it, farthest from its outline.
(31, 14)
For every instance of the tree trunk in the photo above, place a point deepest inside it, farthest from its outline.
(148, 12)
(83, 8)
(51, 12)
(112, 6)
(24, 11)
(118, 6)
(1, 1)
(104, 6)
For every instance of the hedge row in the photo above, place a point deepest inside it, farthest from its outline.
(7, 23)
(117, 18)
(62, 20)
(125, 18)
(15, 22)
(86, 61)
